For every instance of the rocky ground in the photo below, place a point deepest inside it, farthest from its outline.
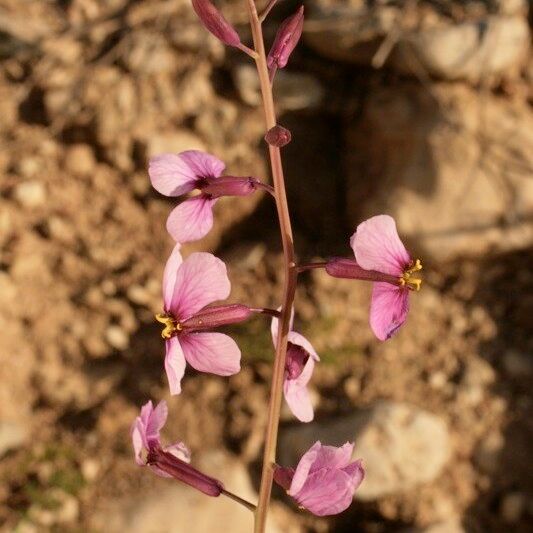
(419, 109)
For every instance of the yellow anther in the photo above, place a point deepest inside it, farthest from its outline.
(411, 283)
(416, 267)
(171, 326)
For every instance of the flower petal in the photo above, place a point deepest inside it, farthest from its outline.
(202, 164)
(201, 279)
(172, 175)
(297, 395)
(169, 275)
(215, 353)
(300, 340)
(356, 472)
(138, 438)
(377, 246)
(303, 468)
(179, 450)
(174, 364)
(388, 309)
(192, 219)
(156, 421)
(326, 492)
(334, 457)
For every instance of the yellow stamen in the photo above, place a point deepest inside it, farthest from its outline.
(171, 326)
(411, 283)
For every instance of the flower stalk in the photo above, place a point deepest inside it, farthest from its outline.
(290, 277)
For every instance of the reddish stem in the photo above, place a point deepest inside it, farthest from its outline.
(290, 276)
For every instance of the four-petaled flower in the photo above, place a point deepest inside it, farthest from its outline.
(145, 435)
(325, 480)
(170, 461)
(178, 174)
(381, 257)
(188, 287)
(299, 366)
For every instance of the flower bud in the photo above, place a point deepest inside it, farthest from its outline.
(278, 136)
(219, 315)
(228, 186)
(286, 40)
(184, 472)
(215, 22)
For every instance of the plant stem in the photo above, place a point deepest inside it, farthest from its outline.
(239, 500)
(290, 275)
(266, 311)
(310, 266)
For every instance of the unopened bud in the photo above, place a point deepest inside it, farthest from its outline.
(216, 316)
(278, 136)
(215, 22)
(287, 38)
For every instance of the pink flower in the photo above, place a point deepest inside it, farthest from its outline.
(178, 174)
(299, 366)
(324, 481)
(188, 287)
(380, 256)
(145, 434)
(170, 461)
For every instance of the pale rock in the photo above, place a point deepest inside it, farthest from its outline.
(470, 50)
(292, 90)
(80, 160)
(413, 155)
(30, 194)
(138, 295)
(487, 455)
(518, 364)
(401, 445)
(29, 167)
(174, 141)
(429, 42)
(68, 507)
(117, 337)
(90, 468)
(12, 435)
(512, 507)
(452, 525)
(175, 508)
(512, 7)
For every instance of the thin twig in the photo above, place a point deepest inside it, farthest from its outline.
(267, 10)
(238, 499)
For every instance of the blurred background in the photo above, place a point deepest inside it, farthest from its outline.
(419, 109)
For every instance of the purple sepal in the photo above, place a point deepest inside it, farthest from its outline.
(184, 472)
(340, 267)
(283, 476)
(215, 22)
(287, 38)
(228, 186)
(213, 317)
